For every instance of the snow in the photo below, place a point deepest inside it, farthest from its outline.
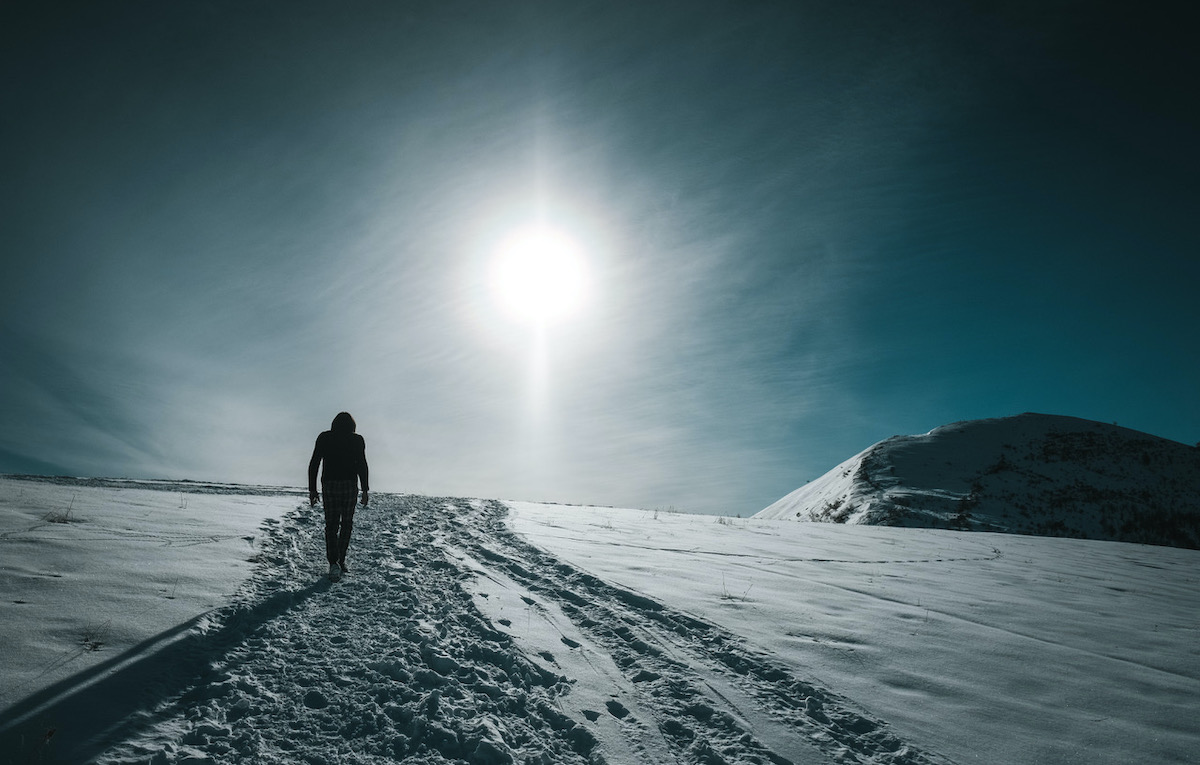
(90, 571)
(1031, 474)
(977, 646)
(485, 632)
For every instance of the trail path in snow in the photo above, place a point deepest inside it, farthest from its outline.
(453, 640)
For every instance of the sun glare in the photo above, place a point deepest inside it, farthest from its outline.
(540, 275)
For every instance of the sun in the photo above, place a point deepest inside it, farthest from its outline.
(539, 275)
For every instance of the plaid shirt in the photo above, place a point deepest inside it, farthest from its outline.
(339, 493)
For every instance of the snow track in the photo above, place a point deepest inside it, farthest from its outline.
(453, 640)
(715, 699)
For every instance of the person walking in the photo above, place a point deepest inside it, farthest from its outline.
(344, 453)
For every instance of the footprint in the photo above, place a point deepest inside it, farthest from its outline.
(616, 709)
(315, 700)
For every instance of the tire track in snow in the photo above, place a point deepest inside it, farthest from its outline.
(996, 554)
(690, 670)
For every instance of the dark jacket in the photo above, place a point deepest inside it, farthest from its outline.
(345, 456)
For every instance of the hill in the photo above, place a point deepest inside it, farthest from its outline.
(498, 633)
(1029, 474)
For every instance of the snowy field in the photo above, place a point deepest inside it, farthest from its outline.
(980, 647)
(189, 624)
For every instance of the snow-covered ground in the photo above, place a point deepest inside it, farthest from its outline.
(475, 631)
(980, 647)
(90, 572)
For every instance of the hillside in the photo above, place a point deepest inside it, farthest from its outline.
(1029, 474)
(171, 622)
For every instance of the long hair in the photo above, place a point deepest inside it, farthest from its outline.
(343, 423)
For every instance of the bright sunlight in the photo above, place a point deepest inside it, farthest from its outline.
(539, 275)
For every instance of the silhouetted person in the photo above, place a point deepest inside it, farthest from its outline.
(344, 453)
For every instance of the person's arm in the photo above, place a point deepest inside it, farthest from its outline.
(363, 470)
(313, 464)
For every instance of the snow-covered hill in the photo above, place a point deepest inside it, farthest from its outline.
(1029, 474)
(489, 633)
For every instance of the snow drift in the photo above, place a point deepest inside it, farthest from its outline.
(1029, 474)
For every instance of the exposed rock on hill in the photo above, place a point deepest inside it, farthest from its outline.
(1029, 474)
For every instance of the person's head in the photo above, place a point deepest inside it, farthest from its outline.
(343, 423)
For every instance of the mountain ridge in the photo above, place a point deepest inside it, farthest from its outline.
(1040, 474)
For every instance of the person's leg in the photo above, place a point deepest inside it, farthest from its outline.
(344, 534)
(339, 503)
(332, 521)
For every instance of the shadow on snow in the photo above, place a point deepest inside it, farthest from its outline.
(76, 719)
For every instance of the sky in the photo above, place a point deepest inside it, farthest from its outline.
(806, 227)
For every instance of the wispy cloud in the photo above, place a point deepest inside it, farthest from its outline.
(810, 229)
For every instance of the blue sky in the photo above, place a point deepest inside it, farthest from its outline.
(810, 226)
